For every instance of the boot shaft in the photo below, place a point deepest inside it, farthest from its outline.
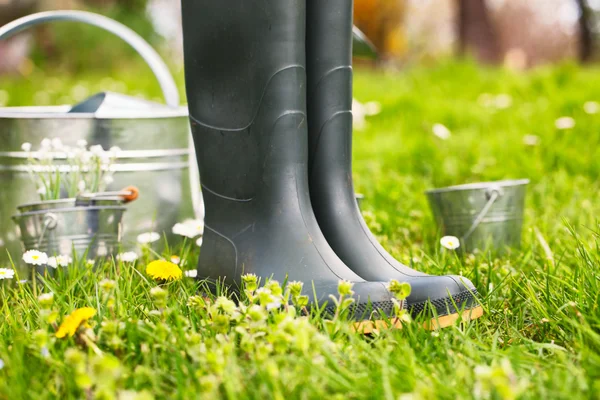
(245, 76)
(329, 71)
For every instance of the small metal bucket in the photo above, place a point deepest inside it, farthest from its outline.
(481, 215)
(65, 227)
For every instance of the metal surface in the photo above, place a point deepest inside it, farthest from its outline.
(155, 159)
(151, 57)
(61, 227)
(157, 154)
(362, 46)
(481, 214)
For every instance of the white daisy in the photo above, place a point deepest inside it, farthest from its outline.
(531, 140)
(274, 305)
(97, 150)
(57, 144)
(35, 257)
(192, 273)
(441, 131)
(114, 151)
(564, 123)
(128, 256)
(199, 241)
(591, 107)
(108, 179)
(148, 237)
(175, 260)
(52, 262)
(46, 297)
(450, 242)
(6, 273)
(46, 144)
(182, 230)
(59, 261)
(190, 228)
(503, 101)
(26, 147)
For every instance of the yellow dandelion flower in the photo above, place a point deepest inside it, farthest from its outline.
(73, 321)
(162, 270)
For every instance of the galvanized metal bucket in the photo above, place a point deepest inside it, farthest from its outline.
(63, 227)
(482, 215)
(157, 152)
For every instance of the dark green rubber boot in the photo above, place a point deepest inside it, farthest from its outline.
(329, 74)
(246, 88)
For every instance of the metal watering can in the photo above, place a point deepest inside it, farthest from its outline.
(157, 152)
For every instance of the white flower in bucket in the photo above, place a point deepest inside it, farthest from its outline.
(199, 241)
(108, 179)
(450, 242)
(46, 144)
(114, 151)
(97, 150)
(87, 170)
(6, 273)
(128, 257)
(26, 147)
(35, 257)
(148, 237)
(57, 144)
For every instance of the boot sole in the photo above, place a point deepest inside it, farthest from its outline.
(448, 320)
(368, 327)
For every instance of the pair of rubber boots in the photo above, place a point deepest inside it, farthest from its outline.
(276, 173)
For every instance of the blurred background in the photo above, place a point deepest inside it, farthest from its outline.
(464, 91)
(517, 33)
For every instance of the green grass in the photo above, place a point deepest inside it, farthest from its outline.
(539, 338)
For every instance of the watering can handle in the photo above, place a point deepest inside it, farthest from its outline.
(493, 193)
(156, 64)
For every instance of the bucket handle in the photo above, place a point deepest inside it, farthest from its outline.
(493, 193)
(156, 64)
(50, 223)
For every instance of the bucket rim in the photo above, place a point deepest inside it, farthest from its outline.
(62, 112)
(66, 210)
(70, 200)
(480, 186)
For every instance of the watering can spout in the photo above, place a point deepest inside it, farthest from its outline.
(109, 102)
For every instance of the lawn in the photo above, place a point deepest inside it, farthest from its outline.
(539, 337)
